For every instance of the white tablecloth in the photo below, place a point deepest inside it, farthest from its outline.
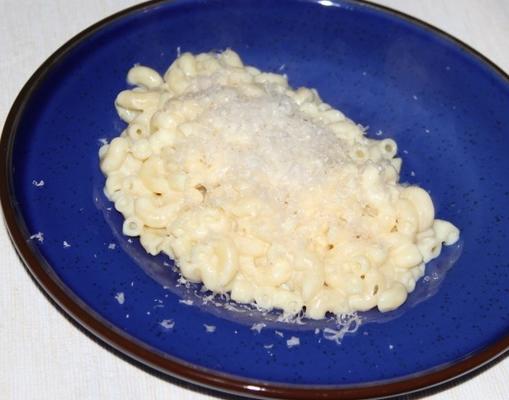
(44, 356)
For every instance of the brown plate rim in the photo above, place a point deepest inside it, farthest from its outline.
(181, 370)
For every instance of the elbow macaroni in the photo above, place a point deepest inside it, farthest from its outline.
(266, 192)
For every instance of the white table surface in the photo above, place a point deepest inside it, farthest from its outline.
(43, 355)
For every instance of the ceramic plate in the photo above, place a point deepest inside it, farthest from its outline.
(445, 105)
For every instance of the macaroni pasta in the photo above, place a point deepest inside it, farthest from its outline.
(266, 192)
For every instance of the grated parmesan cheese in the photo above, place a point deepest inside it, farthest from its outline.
(39, 236)
(258, 327)
(268, 141)
(120, 297)
(292, 342)
(167, 323)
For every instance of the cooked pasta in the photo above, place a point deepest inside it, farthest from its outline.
(266, 192)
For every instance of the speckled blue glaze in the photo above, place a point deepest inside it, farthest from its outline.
(447, 110)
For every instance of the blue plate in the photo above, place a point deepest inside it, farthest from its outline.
(445, 105)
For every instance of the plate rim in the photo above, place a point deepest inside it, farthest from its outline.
(211, 379)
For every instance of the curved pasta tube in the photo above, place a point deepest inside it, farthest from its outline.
(429, 245)
(392, 298)
(446, 232)
(125, 114)
(137, 100)
(152, 174)
(136, 131)
(144, 76)
(176, 79)
(155, 216)
(190, 270)
(242, 290)
(388, 148)
(359, 153)
(231, 59)
(113, 183)
(115, 155)
(132, 226)
(125, 205)
(313, 275)
(187, 64)
(218, 260)
(423, 205)
(151, 241)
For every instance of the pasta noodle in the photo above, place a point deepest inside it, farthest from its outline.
(266, 192)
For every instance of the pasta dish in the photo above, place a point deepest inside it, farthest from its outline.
(266, 192)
